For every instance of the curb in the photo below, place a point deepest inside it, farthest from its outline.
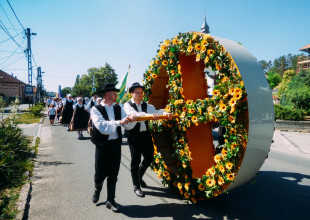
(25, 192)
(293, 126)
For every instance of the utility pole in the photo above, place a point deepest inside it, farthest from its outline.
(28, 50)
(39, 82)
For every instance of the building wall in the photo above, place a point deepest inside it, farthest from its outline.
(12, 89)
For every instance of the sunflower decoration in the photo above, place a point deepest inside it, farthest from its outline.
(227, 106)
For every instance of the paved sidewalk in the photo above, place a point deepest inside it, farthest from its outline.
(292, 143)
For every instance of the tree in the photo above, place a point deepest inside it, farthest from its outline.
(287, 76)
(65, 91)
(103, 75)
(298, 91)
(265, 65)
(273, 78)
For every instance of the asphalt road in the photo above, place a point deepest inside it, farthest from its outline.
(63, 185)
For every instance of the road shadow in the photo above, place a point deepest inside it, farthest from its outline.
(274, 195)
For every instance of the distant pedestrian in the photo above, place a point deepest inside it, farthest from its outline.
(52, 113)
(80, 117)
(59, 107)
(67, 111)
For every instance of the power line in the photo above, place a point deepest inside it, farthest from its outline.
(8, 19)
(12, 53)
(10, 38)
(15, 15)
(13, 62)
(34, 60)
(7, 32)
(62, 76)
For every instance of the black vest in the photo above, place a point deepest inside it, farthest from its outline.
(92, 103)
(100, 139)
(133, 134)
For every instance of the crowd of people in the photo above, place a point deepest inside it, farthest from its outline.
(106, 117)
(72, 111)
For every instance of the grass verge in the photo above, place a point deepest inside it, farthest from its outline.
(9, 197)
(27, 118)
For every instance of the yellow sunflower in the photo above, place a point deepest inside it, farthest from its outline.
(157, 62)
(224, 152)
(237, 96)
(186, 186)
(216, 92)
(230, 176)
(156, 160)
(175, 41)
(204, 43)
(179, 185)
(165, 173)
(231, 119)
(197, 57)
(207, 59)
(172, 72)
(221, 168)
(220, 180)
(217, 158)
(222, 107)
(154, 75)
(197, 47)
(189, 102)
(163, 48)
(191, 111)
(229, 166)
(201, 187)
(210, 52)
(194, 119)
(190, 49)
(149, 78)
(203, 49)
(165, 62)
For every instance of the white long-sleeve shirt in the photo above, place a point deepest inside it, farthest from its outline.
(107, 127)
(150, 110)
(89, 105)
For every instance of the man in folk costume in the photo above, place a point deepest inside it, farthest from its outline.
(139, 138)
(93, 101)
(107, 119)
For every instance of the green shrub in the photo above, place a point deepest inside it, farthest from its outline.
(287, 113)
(36, 110)
(15, 154)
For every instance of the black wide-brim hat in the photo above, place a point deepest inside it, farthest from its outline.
(135, 85)
(108, 87)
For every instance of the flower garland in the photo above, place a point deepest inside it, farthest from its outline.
(227, 106)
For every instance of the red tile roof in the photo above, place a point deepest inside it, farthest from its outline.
(5, 77)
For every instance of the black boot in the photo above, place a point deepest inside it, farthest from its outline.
(96, 195)
(136, 184)
(111, 204)
(142, 171)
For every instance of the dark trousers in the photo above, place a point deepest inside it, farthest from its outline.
(107, 163)
(141, 146)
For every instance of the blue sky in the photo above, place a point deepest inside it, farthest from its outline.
(74, 35)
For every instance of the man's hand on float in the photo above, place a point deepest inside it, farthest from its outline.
(155, 116)
(124, 121)
(169, 115)
(132, 117)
